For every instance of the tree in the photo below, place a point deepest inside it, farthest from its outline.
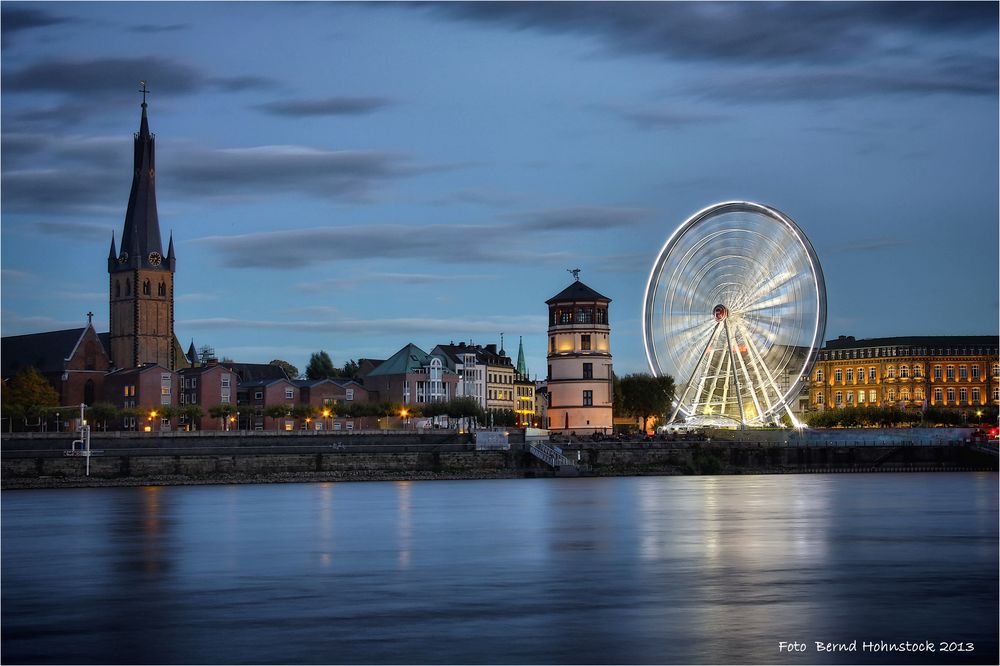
(28, 396)
(277, 412)
(101, 413)
(320, 366)
(223, 412)
(645, 396)
(350, 369)
(192, 414)
(289, 369)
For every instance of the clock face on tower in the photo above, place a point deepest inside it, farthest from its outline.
(155, 258)
(123, 257)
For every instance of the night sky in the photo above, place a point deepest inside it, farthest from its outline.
(354, 177)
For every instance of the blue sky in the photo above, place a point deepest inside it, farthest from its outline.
(354, 177)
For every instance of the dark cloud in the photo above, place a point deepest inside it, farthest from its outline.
(743, 32)
(977, 76)
(275, 169)
(239, 83)
(104, 76)
(662, 118)
(14, 19)
(330, 106)
(77, 231)
(152, 28)
(592, 217)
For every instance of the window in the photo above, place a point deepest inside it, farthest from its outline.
(950, 373)
(904, 371)
(871, 396)
(963, 372)
(976, 396)
(161, 289)
(549, 376)
(996, 392)
(963, 394)
(850, 374)
(819, 375)
(350, 394)
(584, 316)
(861, 375)
(917, 372)
(850, 398)
(872, 373)
(904, 394)
(224, 398)
(838, 398)
(838, 376)
(890, 395)
(164, 399)
(225, 381)
(289, 394)
(602, 316)
(918, 393)
(975, 372)
(819, 398)
(552, 345)
(937, 373)
(951, 395)
(145, 287)
(565, 317)
(259, 395)
(585, 342)
(996, 369)
(890, 372)
(164, 390)
(938, 395)
(588, 370)
(588, 398)
(289, 425)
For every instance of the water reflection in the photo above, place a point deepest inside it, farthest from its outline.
(635, 570)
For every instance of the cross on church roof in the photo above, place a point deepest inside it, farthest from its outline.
(90, 318)
(143, 91)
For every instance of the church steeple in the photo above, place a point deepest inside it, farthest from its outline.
(522, 368)
(141, 244)
(141, 278)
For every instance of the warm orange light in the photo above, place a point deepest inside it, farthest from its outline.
(403, 413)
(326, 413)
(232, 419)
(148, 429)
(152, 414)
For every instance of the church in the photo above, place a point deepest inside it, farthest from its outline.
(135, 363)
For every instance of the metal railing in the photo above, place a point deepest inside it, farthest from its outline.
(549, 455)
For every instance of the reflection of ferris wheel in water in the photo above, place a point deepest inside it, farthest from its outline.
(734, 309)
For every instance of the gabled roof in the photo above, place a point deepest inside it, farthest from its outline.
(577, 291)
(47, 352)
(254, 372)
(408, 359)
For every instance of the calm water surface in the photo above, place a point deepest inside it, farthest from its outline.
(623, 570)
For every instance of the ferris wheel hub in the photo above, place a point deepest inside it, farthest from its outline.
(720, 312)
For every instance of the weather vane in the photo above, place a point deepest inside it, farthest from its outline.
(143, 91)
(575, 272)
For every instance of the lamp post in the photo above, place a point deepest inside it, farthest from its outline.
(402, 415)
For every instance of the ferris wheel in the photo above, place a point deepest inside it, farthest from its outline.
(735, 309)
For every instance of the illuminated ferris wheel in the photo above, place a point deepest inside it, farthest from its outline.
(734, 310)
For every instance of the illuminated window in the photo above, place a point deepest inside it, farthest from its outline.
(917, 372)
(937, 373)
(565, 316)
(996, 369)
(951, 395)
(975, 372)
(996, 392)
(918, 394)
(904, 371)
(904, 394)
(819, 398)
(602, 316)
(872, 373)
(850, 374)
(819, 375)
(861, 397)
(890, 372)
(963, 394)
(976, 396)
(584, 316)
(950, 373)
(850, 398)
(871, 395)
(861, 375)
(963, 372)
(838, 376)
(890, 395)
(838, 398)
(938, 395)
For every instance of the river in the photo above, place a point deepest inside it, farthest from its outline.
(600, 570)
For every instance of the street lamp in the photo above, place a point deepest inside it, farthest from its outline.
(402, 415)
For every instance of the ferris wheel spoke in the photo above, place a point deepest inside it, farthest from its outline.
(761, 366)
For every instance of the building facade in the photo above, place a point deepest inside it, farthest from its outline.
(959, 372)
(579, 378)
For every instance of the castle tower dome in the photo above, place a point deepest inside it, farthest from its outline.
(579, 361)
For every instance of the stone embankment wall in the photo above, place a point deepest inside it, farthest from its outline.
(138, 459)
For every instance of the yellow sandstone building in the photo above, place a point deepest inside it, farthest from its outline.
(959, 372)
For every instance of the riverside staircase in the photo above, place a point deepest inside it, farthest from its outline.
(553, 457)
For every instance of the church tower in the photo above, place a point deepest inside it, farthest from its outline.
(141, 277)
(579, 377)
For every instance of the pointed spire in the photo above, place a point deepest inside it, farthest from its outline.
(112, 254)
(192, 354)
(522, 368)
(141, 235)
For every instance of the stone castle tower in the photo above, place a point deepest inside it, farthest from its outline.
(579, 377)
(141, 277)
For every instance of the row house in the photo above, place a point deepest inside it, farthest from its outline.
(326, 396)
(411, 376)
(467, 361)
(960, 372)
(207, 386)
(255, 397)
(144, 391)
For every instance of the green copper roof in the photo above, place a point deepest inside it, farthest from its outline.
(408, 359)
(522, 368)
